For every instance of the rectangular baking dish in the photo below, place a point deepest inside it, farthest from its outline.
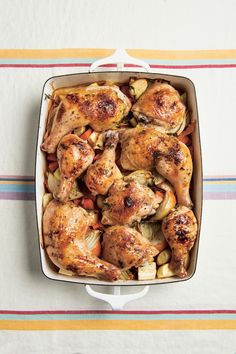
(56, 82)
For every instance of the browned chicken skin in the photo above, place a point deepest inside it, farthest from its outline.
(126, 248)
(160, 105)
(74, 156)
(128, 202)
(146, 147)
(102, 173)
(64, 230)
(180, 231)
(102, 107)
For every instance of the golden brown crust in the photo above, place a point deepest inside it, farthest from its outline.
(102, 107)
(160, 105)
(128, 202)
(126, 248)
(64, 230)
(180, 231)
(146, 148)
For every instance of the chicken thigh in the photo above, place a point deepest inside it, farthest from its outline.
(146, 147)
(102, 173)
(126, 248)
(64, 230)
(102, 107)
(74, 156)
(180, 231)
(161, 105)
(128, 202)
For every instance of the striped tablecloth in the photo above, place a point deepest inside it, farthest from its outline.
(42, 316)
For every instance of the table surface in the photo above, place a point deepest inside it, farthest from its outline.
(46, 38)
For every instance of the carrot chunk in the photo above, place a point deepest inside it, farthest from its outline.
(52, 166)
(87, 203)
(86, 134)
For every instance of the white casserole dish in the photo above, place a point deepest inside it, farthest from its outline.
(56, 82)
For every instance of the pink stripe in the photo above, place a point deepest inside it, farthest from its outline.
(17, 196)
(18, 177)
(166, 312)
(154, 66)
(219, 195)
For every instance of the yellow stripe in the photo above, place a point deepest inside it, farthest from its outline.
(16, 182)
(219, 182)
(118, 325)
(53, 53)
(98, 52)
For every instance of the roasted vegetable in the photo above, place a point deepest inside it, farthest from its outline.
(92, 139)
(165, 207)
(92, 217)
(93, 242)
(46, 199)
(147, 271)
(53, 182)
(133, 122)
(87, 203)
(138, 87)
(165, 271)
(164, 257)
(157, 178)
(86, 134)
(65, 272)
(99, 144)
(141, 176)
(126, 275)
(152, 232)
(79, 131)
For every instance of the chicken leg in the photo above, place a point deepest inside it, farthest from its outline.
(101, 175)
(180, 231)
(145, 148)
(125, 247)
(74, 156)
(100, 106)
(64, 230)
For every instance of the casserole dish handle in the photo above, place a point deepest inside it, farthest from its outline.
(116, 300)
(119, 57)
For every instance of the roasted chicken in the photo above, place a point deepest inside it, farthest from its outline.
(126, 248)
(74, 156)
(102, 173)
(180, 231)
(128, 202)
(146, 148)
(161, 105)
(64, 230)
(102, 107)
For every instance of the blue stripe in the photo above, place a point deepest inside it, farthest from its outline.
(219, 188)
(28, 188)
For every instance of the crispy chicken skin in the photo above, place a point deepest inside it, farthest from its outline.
(160, 105)
(146, 147)
(128, 202)
(102, 173)
(180, 231)
(126, 248)
(64, 230)
(74, 156)
(102, 107)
